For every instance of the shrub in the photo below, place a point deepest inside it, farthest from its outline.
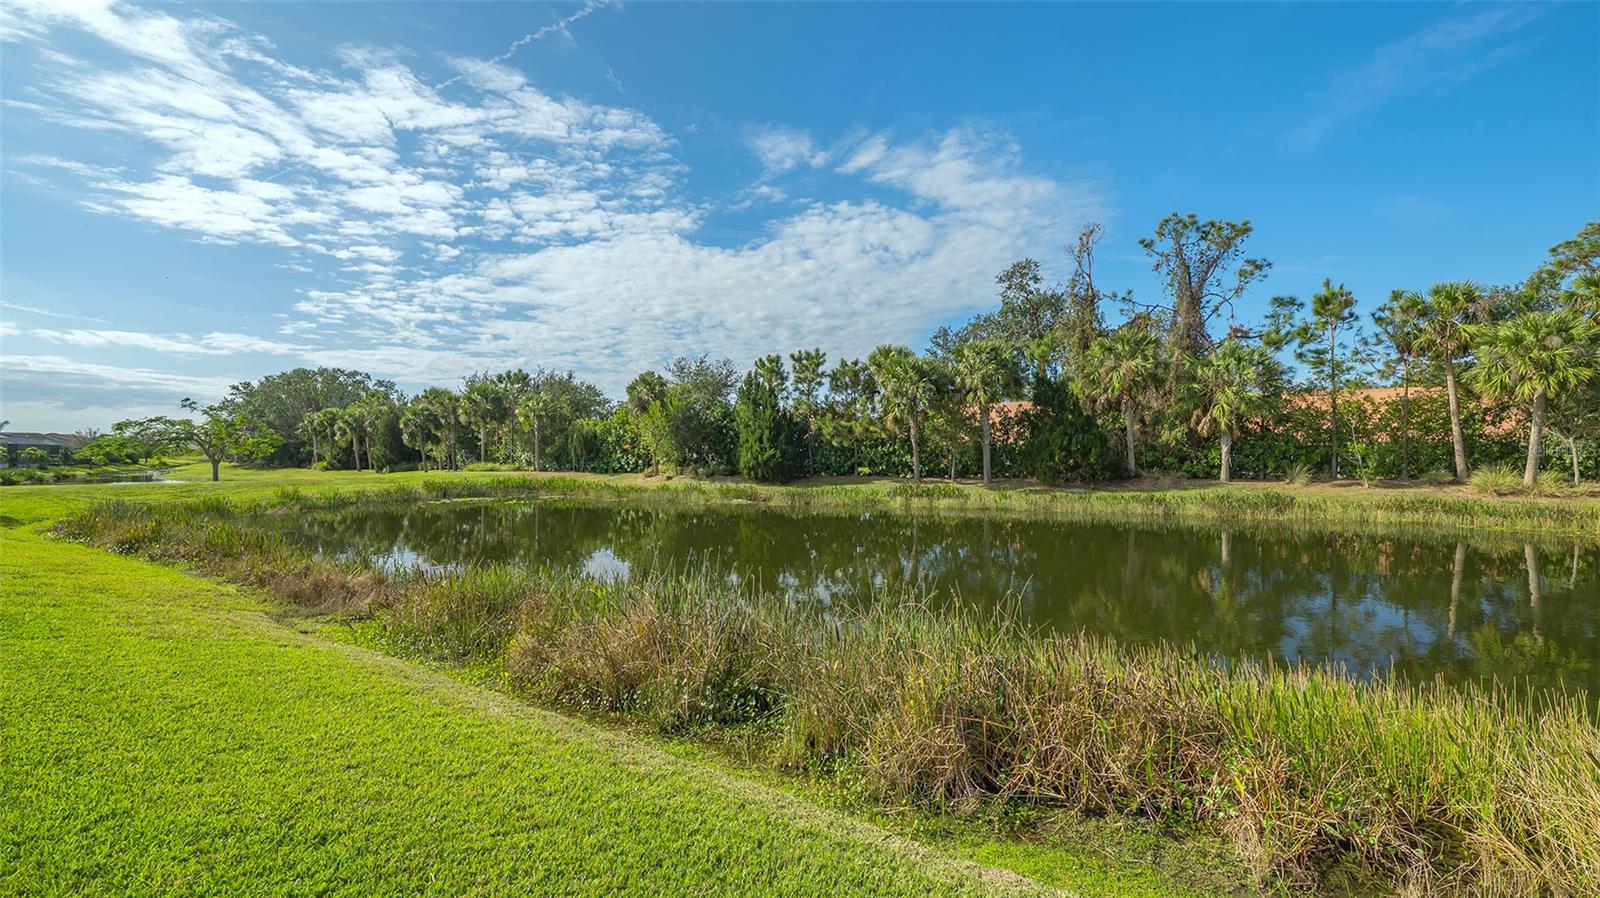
(1496, 480)
(923, 491)
(491, 466)
(1299, 474)
(1551, 482)
(15, 476)
(1064, 444)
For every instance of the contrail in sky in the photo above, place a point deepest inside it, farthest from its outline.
(519, 43)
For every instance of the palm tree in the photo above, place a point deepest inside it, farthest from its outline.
(1534, 358)
(1583, 297)
(514, 386)
(349, 427)
(444, 404)
(322, 423)
(646, 390)
(1400, 322)
(1119, 370)
(310, 427)
(330, 423)
(1444, 337)
(985, 373)
(482, 403)
(419, 428)
(906, 387)
(356, 423)
(646, 394)
(376, 406)
(535, 411)
(1235, 384)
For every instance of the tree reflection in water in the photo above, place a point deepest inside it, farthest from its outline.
(1421, 606)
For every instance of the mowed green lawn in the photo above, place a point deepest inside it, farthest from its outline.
(161, 734)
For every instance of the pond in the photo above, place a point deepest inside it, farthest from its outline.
(80, 478)
(1417, 604)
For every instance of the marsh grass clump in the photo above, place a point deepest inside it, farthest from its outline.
(216, 536)
(1496, 480)
(1551, 483)
(1299, 474)
(924, 491)
(681, 652)
(953, 708)
(460, 616)
(1429, 789)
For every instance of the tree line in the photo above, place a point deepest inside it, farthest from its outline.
(1484, 373)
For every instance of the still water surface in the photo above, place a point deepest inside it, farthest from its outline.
(1420, 605)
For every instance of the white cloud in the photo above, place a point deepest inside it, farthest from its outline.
(963, 170)
(81, 169)
(216, 343)
(47, 312)
(783, 150)
(219, 215)
(437, 232)
(57, 393)
(1437, 57)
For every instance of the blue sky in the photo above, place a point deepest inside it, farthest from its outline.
(203, 193)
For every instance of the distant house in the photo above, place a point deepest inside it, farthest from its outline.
(59, 446)
(1497, 425)
(1006, 419)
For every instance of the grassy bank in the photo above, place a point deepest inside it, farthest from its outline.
(1439, 509)
(162, 734)
(203, 739)
(1428, 788)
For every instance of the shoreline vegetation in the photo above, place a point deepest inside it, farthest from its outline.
(1158, 502)
(82, 474)
(1307, 773)
(1443, 509)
